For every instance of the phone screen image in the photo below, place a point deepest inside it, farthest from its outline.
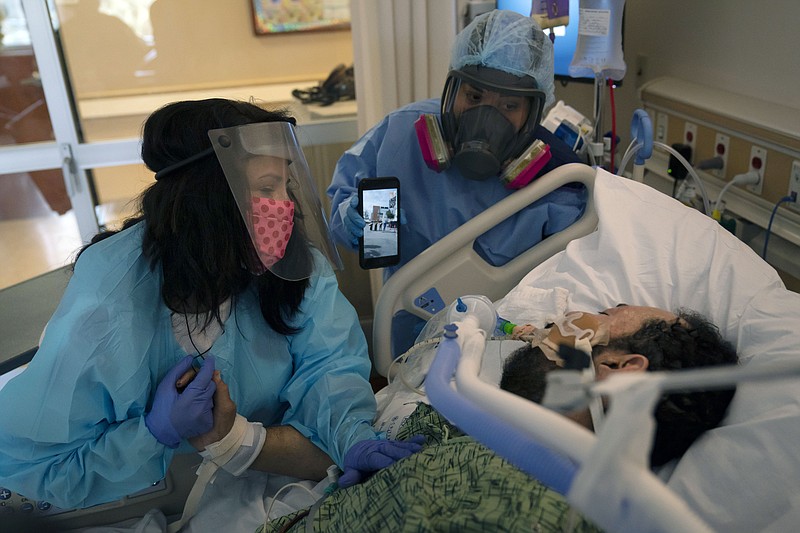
(379, 201)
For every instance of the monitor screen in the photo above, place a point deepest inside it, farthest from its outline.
(566, 36)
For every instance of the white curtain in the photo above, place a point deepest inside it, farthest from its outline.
(401, 51)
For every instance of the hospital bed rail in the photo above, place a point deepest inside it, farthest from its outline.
(451, 267)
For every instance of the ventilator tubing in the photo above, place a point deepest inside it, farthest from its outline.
(551, 469)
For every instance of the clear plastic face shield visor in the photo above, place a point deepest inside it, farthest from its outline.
(272, 185)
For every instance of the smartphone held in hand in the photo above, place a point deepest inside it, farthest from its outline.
(379, 204)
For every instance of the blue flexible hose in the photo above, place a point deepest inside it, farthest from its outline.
(553, 470)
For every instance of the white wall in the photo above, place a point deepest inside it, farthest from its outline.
(740, 46)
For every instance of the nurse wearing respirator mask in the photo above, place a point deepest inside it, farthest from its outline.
(457, 155)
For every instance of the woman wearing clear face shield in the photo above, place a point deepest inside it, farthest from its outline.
(487, 123)
(211, 322)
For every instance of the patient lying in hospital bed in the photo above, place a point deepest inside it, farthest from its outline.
(741, 476)
(455, 483)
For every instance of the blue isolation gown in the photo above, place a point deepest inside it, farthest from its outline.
(434, 204)
(72, 428)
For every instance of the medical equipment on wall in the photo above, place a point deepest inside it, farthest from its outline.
(641, 148)
(747, 178)
(569, 125)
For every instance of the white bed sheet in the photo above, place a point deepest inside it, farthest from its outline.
(651, 250)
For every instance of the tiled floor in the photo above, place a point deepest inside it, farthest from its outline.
(32, 246)
(34, 238)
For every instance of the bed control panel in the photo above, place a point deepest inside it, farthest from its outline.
(430, 301)
(13, 505)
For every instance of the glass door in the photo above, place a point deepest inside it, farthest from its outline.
(47, 194)
(79, 77)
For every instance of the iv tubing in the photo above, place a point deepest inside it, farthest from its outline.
(551, 469)
(613, 125)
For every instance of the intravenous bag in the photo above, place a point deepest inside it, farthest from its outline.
(599, 48)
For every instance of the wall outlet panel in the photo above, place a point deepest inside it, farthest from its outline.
(794, 186)
(776, 175)
(690, 138)
(758, 163)
(722, 145)
(662, 123)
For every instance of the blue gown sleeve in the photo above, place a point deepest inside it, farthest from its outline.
(72, 429)
(329, 395)
(358, 162)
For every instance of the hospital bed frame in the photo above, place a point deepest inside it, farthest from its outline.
(436, 277)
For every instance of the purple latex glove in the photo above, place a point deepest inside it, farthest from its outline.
(368, 456)
(181, 415)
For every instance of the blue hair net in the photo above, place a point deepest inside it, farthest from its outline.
(510, 42)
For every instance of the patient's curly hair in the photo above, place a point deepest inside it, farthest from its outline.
(691, 341)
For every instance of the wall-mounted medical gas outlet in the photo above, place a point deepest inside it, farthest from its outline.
(721, 146)
(690, 137)
(794, 186)
(758, 162)
(661, 127)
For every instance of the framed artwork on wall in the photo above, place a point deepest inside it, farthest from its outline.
(281, 16)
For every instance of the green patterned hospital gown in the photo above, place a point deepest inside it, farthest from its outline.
(454, 484)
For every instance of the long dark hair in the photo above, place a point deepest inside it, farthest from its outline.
(193, 228)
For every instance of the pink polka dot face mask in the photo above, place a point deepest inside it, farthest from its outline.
(270, 181)
(273, 221)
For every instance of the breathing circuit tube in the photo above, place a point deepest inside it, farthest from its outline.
(553, 470)
(641, 147)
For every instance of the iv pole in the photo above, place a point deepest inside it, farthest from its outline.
(598, 145)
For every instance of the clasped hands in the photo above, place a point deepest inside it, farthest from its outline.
(202, 412)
